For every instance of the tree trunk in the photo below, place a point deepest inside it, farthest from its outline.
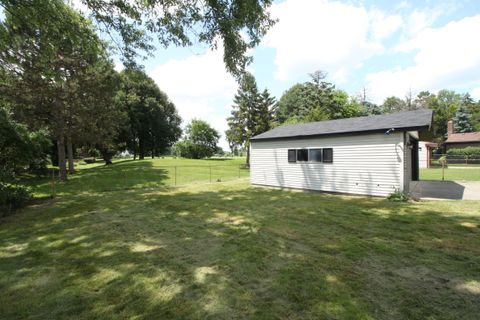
(107, 155)
(71, 168)
(62, 166)
(141, 150)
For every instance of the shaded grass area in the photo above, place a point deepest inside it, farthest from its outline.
(450, 174)
(229, 251)
(135, 174)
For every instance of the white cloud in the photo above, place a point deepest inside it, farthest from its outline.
(200, 87)
(331, 36)
(421, 19)
(475, 93)
(384, 25)
(445, 57)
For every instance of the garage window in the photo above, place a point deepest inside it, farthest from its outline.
(302, 155)
(315, 155)
(328, 155)
(292, 155)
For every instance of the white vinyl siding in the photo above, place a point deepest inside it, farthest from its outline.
(370, 164)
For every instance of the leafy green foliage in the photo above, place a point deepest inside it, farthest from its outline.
(393, 104)
(200, 141)
(398, 196)
(238, 24)
(468, 151)
(152, 123)
(12, 197)
(47, 54)
(19, 148)
(315, 100)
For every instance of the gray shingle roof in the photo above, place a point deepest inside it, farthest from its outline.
(417, 119)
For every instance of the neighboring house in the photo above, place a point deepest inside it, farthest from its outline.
(373, 155)
(460, 140)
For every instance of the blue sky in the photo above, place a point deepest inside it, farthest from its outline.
(388, 47)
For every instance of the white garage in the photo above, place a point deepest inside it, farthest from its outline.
(373, 155)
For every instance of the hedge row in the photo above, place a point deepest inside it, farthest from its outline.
(468, 151)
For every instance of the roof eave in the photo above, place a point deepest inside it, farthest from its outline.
(418, 128)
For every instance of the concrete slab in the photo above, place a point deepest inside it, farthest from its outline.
(449, 190)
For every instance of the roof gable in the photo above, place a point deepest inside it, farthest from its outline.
(417, 119)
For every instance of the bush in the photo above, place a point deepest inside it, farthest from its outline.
(398, 196)
(13, 197)
(89, 160)
(468, 151)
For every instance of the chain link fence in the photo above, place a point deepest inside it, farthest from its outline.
(124, 177)
(464, 160)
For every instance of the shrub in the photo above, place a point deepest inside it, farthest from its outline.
(12, 197)
(398, 196)
(468, 151)
(89, 160)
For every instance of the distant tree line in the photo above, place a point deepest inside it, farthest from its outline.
(317, 99)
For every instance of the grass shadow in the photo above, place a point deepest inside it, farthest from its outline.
(230, 251)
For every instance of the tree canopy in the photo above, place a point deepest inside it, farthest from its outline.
(152, 123)
(315, 100)
(47, 54)
(252, 114)
(238, 25)
(200, 141)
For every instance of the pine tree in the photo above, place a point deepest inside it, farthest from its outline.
(462, 120)
(251, 114)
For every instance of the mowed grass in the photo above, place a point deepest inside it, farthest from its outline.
(135, 174)
(230, 251)
(472, 174)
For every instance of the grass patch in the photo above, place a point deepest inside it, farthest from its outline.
(136, 174)
(450, 174)
(229, 251)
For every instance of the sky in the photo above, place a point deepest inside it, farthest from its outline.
(387, 47)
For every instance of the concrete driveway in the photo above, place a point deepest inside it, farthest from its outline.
(451, 190)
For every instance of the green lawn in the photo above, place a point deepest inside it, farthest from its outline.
(229, 251)
(450, 174)
(148, 173)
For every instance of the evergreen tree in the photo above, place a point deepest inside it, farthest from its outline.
(251, 114)
(461, 120)
(265, 112)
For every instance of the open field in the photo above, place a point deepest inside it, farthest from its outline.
(148, 173)
(229, 251)
(471, 174)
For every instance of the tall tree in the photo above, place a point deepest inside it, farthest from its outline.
(153, 123)
(445, 106)
(393, 104)
(44, 47)
(265, 111)
(250, 115)
(461, 121)
(200, 141)
(473, 108)
(292, 104)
